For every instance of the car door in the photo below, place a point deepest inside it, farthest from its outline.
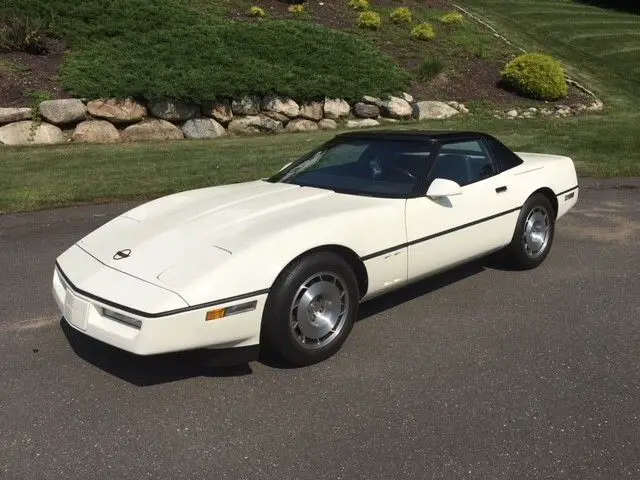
(445, 231)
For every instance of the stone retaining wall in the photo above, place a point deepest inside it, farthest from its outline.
(114, 120)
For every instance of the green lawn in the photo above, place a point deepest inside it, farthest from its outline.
(40, 177)
(601, 46)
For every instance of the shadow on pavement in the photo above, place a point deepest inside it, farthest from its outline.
(143, 370)
(158, 369)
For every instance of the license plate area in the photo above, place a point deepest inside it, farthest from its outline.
(75, 311)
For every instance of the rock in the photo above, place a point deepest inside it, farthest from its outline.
(532, 110)
(546, 111)
(335, 108)
(117, 110)
(28, 132)
(203, 129)
(65, 111)
(219, 110)
(458, 106)
(283, 106)
(254, 124)
(327, 124)
(396, 107)
(152, 129)
(430, 110)
(512, 113)
(312, 111)
(363, 122)
(95, 131)
(173, 111)
(495, 115)
(8, 115)
(301, 125)
(246, 106)
(366, 110)
(528, 114)
(388, 120)
(277, 116)
(372, 100)
(596, 106)
(407, 97)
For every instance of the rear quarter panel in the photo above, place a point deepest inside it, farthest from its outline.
(539, 171)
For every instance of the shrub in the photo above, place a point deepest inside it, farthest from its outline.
(401, 15)
(537, 76)
(359, 4)
(305, 69)
(296, 9)
(429, 69)
(424, 31)
(452, 18)
(370, 20)
(257, 12)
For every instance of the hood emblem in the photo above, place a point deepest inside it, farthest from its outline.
(122, 254)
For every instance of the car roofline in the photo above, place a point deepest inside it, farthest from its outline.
(413, 135)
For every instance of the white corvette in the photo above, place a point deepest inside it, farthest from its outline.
(283, 263)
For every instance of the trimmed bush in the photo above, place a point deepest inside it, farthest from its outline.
(401, 15)
(537, 76)
(452, 18)
(429, 69)
(359, 4)
(257, 12)
(370, 20)
(424, 31)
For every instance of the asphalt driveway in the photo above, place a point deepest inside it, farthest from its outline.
(478, 373)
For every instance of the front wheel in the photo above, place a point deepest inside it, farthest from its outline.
(534, 233)
(311, 309)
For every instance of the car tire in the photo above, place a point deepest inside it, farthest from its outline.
(534, 233)
(310, 309)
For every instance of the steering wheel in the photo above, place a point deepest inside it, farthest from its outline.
(405, 172)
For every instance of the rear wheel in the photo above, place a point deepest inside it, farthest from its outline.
(311, 309)
(533, 237)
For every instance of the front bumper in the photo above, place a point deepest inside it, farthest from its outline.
(151, 334)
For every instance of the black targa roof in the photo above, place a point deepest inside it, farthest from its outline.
(412, 135)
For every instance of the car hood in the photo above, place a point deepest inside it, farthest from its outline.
(208, 223)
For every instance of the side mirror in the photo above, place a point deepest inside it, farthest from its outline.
(285, 166)
(441, 187)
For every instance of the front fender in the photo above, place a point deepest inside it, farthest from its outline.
(254, 265)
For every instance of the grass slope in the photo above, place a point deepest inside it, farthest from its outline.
(601, 45)
(41, 177)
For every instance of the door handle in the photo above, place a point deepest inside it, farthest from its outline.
(501, 189)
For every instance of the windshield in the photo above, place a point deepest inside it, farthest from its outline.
(373, 167)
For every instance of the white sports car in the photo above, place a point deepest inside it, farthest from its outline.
(283, 263)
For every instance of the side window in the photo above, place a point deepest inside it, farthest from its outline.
(463, 162)
(503, 156)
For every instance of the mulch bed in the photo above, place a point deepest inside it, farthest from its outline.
(22, 73)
